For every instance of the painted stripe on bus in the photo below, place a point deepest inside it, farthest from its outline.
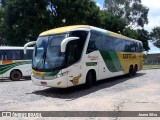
(6, 67)
(111, 60)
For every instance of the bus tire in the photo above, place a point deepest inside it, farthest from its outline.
(131, 71)
(89, 80)
(15, 75)
(135, 69)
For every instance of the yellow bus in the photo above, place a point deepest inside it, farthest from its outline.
(14, 64)
(82, 54)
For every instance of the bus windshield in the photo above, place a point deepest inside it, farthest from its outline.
(47, 54)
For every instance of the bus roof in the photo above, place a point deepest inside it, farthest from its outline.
(14, 48)
(74, 27)
(64, 29)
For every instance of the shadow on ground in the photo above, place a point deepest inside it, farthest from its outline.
(8, 80)
(79, 91)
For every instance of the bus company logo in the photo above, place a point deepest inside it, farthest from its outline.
(93, 57)
(76, 79)
(129, 56)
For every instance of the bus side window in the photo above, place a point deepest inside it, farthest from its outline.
(21, 54)
(118, 44)
(1, 55)
(140, 47)
(17, 55)
(127, 46)
(132, 47)
(107, 43)
(95, 42)
(8, 55)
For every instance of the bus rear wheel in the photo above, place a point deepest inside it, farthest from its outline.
(131, 71)
(15, 75)
(135, 69)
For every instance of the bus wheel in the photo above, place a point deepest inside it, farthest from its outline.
(89, 80)
(135, 70)
(131, 71)
(15, 75)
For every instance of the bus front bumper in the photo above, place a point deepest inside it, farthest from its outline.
(60, 82)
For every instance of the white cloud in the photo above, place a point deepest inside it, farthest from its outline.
(151, 3)
(154, 13)
(153, 48)
(153, 22)
(154, 19)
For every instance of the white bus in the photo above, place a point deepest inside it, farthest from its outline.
(81, 54)
(14, 64)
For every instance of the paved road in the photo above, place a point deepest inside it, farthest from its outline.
(141, 92)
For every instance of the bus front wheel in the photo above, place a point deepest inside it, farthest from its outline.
(15, 75)
(90, 78)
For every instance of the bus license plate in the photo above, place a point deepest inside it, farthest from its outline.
(43, 83)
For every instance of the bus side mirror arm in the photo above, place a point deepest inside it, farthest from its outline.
(65, 42)
(28, 44)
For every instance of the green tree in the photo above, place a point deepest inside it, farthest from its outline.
(155, 35)
(133, 11)
(72, 12)
(24, 20)
(144, 36)
(2, 41)
(130, 33)
(112, 22)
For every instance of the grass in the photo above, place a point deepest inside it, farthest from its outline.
(151, 66)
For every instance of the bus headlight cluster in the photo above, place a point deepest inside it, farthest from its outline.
(60, 75)
(50, 77)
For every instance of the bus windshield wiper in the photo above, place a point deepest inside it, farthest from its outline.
(42, 60)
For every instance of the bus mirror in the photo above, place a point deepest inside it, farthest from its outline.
(65, 42)
(28, 44)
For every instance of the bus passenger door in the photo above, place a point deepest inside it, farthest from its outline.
(72, 63)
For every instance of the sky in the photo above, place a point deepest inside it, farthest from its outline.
(153, 17)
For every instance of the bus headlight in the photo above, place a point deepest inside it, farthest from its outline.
(60, 75)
